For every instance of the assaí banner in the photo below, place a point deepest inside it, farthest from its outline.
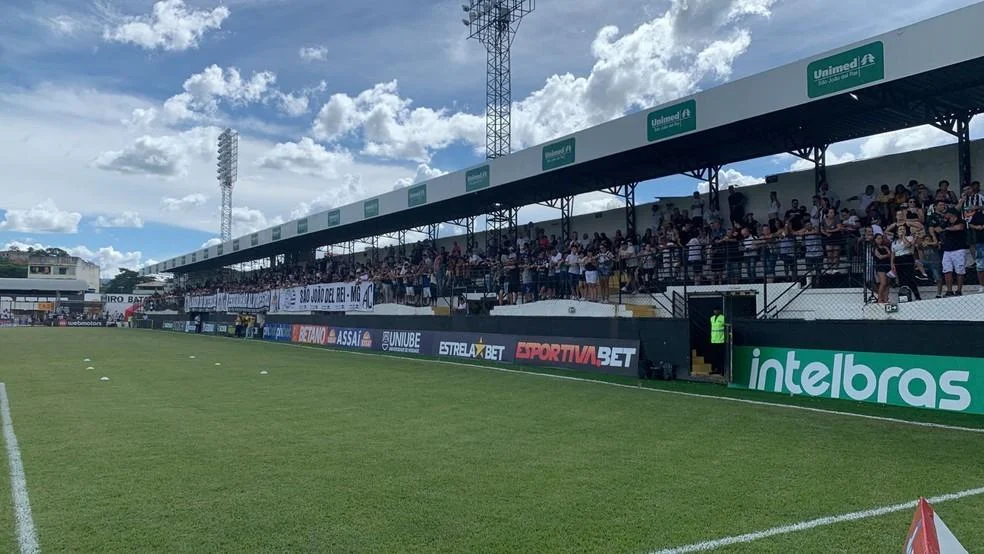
(935, 382)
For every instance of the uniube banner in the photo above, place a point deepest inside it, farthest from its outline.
(356, 296)
(936, 382)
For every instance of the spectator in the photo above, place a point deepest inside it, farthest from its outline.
(903, 260)
(736, 205)
(883, 267)
(954, 246)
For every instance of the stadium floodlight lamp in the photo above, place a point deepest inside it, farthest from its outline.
(227, 173)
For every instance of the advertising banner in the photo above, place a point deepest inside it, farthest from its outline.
(309, 334)
(407, 342)
(221, 328)
(208, 327)
(474, 346)
(279, 332)
(169, 325)
(356, 296)
(189, 327)
(614, 356)
(349, 337)
(935, 382)
(85, 324)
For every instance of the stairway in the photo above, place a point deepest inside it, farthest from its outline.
(698, 366)
(640, 310)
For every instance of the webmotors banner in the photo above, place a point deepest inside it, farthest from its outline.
(85, 324)
(616, 356)
(935, 382)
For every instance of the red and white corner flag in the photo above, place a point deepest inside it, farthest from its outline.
(929, 535)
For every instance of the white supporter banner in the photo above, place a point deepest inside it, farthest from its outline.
(356, 296)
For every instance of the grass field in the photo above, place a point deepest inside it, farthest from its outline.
(337, 452)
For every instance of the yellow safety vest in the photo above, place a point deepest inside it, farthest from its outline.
(717, 329)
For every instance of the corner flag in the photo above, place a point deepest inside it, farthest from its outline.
(929, 535)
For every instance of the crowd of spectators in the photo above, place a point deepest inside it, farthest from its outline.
(913, 235)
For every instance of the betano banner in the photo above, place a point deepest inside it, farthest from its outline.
(935, 382)
(356, 296)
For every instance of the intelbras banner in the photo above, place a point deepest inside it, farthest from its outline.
(614, 356)
(936, 382)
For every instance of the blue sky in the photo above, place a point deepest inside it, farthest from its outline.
(111, 108)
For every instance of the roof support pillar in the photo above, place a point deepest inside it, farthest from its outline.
(468, 224)
(627, 193)
(817, 155)
(959, 126)
(565, 204)
(499, 222)
(710, 176)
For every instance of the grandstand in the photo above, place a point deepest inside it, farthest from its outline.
(765, 252)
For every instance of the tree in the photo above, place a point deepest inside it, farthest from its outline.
(125, 281)
(58, 252)
(12, 271)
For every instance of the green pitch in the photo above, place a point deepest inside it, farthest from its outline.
(335, 452)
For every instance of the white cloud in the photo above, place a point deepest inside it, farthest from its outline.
(313, 53)
(62, 24)
(127, 219)
(292, 104)
(162, 156)
(305, 157)
(348, 190)
(109, 259)
(171, 26)
(665, 58)
(248, 220)
(214, 241)
(423, 173)
(46, 217)
(390, 128)
(195, 200)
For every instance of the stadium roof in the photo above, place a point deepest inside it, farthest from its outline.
(43, 285)
(912, 76)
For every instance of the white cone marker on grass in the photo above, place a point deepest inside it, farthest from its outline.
(191, 357)
(264, 372)
(104, 378)
(87, 360)
(217, 363)
(90, 367)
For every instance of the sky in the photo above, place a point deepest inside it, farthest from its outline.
(110, 110)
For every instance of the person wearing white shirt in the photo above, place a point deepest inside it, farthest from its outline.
(573, 271)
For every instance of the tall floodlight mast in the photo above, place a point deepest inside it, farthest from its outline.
(228, 172)
(494, 23)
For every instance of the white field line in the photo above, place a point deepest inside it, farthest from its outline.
(814, 523)
(633, 387)
(27, 538)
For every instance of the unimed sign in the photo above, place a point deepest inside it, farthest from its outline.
(853, 68)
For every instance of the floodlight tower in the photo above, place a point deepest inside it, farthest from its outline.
(227, 173)
(494, 23)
